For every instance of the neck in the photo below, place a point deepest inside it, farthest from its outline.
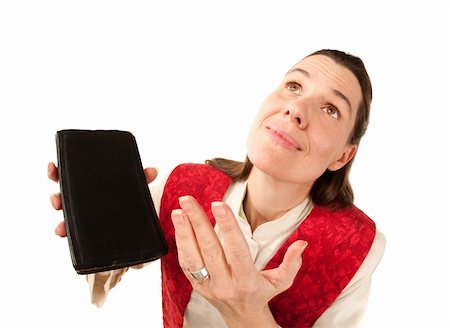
(268, 199)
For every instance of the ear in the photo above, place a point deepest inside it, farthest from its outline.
(347, 155)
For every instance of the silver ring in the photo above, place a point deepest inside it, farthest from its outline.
(200, 275)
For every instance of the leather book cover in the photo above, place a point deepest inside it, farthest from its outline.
(109, 214)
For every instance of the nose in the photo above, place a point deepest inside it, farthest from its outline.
(296, 118)
(297, 112)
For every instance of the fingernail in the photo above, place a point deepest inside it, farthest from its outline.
(153, 168)
(58, 231)
(51, 200)
(218, 210)
(303, 245)
(186, 204)
(177, 217)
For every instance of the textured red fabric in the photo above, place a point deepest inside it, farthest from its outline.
(338, 242)
(206, 184)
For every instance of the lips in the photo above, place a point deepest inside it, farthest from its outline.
(282, 137)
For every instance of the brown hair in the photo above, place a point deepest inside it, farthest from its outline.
(332, 188)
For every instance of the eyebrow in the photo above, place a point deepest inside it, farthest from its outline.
(301, 70)
(336, 92)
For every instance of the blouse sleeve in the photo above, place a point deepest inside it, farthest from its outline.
(101, 283)
(348, 309)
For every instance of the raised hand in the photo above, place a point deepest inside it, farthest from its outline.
(234, 286)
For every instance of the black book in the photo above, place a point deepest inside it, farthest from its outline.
(109, 214)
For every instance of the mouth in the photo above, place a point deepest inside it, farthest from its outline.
(282, 138)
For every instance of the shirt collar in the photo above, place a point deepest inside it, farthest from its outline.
(269, 230)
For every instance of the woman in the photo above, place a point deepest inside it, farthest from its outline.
(289, 248)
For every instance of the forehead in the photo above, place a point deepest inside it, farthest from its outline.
(326, 73)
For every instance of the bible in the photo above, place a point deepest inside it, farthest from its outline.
(109, 215)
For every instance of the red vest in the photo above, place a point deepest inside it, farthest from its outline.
(338, 242)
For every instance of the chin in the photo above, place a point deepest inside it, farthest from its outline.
(270, 165)
(282, 169)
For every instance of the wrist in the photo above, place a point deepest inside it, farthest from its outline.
(260, 319)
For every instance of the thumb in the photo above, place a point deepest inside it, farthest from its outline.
(283, 276)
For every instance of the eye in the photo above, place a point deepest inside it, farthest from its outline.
(294, 87)
(332, 111)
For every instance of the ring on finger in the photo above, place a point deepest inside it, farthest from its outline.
(200, 275)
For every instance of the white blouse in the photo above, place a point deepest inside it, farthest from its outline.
(347, 309)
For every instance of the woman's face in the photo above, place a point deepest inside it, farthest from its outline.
(304, 125)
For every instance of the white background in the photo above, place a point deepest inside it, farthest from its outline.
(187, 78)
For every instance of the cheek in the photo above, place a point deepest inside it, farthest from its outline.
(321, 142)
(327, 145)
(271, 105)
(254, 144)
(267, 109)
(252, 134)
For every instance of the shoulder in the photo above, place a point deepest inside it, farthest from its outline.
(348, 309)
(346, 218)
(195, 169)
(376, 251)
(350, 211)
(374, 256)
(370, 263)
(202, 181)
(359, 224)
(348, 230)
(189, 174)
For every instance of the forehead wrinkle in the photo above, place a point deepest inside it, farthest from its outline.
(331, 75)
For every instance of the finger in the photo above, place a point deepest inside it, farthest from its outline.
(283, 276)
(209, 245)
(235, 246)
(189, 256)
(150, 174)
(60, 230)
(52, 172)
(55, 199)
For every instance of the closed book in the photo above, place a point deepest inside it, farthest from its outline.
(109, 214)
